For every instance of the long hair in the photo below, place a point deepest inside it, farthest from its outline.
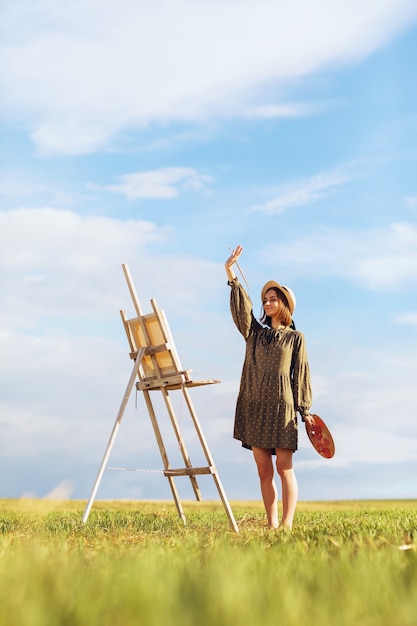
(284, 312)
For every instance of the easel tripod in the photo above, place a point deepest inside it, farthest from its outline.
(157, 368)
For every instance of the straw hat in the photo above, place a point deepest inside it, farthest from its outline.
(286, 291)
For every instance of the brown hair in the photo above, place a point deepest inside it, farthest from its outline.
(284, 312)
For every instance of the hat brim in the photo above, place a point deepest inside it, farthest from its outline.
(272, 284)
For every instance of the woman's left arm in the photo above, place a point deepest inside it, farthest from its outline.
(301, 381)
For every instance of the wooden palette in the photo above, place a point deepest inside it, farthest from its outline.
(321, 437)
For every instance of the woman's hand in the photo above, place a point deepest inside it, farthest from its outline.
(231, 261)
(309, 419)
(233, 257)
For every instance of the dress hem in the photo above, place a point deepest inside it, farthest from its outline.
(247, 446)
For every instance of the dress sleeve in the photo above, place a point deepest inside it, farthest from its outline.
(301, 382)
(241, 308)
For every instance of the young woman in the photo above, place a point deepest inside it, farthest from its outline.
(275, 384)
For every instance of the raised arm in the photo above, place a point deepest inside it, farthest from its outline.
(231, 261)
(240, 302)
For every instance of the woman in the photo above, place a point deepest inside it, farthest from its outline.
(275, 384)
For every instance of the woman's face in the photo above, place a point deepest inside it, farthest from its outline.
(271, 303)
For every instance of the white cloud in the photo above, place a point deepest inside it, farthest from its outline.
(380, 258)
(66, 135)
(163, 183)
(62, 491)
(407, 319)
(305, 192)
(272, 111)
(55, 262)
(79, 72)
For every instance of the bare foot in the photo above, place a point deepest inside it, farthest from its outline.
(285, 528)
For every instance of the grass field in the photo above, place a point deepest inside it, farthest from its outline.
(344, 564)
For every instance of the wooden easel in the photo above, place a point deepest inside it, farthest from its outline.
(157, 368)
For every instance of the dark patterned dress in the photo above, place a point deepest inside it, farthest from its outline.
(275, 381)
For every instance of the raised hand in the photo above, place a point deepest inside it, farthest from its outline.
(234, 256)
(231, 261)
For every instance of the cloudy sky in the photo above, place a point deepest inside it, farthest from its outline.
(159, 133)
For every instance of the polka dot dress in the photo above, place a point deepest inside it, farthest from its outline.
(275, 380)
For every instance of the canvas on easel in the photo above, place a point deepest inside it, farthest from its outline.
(157, 368)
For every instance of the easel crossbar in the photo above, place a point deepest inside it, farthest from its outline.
(181, 471)
(172, 383)
(190, 471)
(134, 469)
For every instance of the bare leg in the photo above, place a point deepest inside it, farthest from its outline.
(268, 489)
(289, 486)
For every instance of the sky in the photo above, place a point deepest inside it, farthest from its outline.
(160, 134)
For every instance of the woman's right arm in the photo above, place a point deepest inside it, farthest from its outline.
(240, 302)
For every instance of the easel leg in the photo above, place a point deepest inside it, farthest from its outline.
(225, 501)
(177, 500)
(181, 443)
(163, 453)
(210, 461)
(114, 432)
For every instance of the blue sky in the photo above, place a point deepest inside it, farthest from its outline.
(158, 134)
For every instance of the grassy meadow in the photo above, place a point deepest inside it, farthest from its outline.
(344, 564)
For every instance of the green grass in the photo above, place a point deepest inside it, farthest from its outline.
(344, 564)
